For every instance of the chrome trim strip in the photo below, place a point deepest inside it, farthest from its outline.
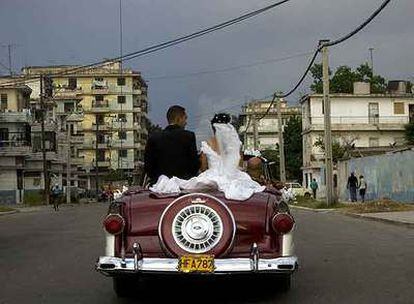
(110, 244)
(288, 246)
(112, 265)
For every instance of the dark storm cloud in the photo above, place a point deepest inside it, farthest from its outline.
(57, 31)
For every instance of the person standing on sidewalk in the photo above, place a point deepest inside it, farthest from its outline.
(314, 186)
(352, 186)
(362, 187)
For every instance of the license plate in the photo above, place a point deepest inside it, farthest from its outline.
(196, 263)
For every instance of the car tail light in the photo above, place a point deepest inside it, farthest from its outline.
(114, 224)
(282, 223)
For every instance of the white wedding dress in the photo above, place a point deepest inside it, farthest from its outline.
(222, 173)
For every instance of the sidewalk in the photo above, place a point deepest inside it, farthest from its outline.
(404, 218)
(27, 209)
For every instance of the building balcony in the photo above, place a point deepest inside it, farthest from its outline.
(77, 161)
(104, 163)
(66, 92)
(101, 127)
(76, 139)
(14, 117)
(49, 126)
(357, 123)
(14, 148)
(136, 90)
(99, 87)
(99, 107)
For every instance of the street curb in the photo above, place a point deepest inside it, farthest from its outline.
(8, 212)
(358, 215)
(311, 209)
(378, 219)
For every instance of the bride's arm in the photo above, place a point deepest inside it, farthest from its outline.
(203, 162)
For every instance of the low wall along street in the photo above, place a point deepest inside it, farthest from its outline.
(389, 175)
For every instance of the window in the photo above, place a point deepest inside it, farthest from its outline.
(373, 113)
(101, 155)
(68, 107)
(99, 79)
(398, 108)
(121, 81)
(72, 83)
(4, 134)
(100, 119)
(123, 153)
(374, 142)
(122, 135)
(122, 118)
(121, 99)
(99, 98)
(3, 101)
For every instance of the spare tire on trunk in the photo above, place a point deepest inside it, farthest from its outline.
(197, 223)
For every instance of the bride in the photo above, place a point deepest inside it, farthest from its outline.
(220, 158)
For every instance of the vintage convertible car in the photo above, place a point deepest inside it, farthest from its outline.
(200, 234)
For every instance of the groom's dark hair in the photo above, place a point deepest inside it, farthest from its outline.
(175, 112)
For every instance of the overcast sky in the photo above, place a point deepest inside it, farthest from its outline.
(79, 31)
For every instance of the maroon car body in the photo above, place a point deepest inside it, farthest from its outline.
(148, 233)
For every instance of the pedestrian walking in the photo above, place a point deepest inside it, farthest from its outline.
(55, 195)
(352, 186)
(362, 187)
(314, 186)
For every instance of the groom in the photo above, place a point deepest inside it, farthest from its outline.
(173, 151)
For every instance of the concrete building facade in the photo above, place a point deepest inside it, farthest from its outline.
(365, 123)
(111, 106)
(267, 127)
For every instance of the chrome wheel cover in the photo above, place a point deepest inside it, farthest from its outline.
(197, 228)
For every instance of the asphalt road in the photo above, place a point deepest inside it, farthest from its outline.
(48, 257)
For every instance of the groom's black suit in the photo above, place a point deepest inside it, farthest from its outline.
(171, 152)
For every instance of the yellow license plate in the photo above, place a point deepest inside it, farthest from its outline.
(196, 263)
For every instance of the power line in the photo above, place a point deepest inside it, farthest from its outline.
(360, 27)
(173, 42)
(280, 59)
(332, 43)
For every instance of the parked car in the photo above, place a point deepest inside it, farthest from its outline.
(197, 234)
(299, 190)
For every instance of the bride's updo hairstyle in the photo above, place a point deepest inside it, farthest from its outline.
(220, 118)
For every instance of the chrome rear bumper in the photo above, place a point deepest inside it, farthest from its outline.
(114, 266)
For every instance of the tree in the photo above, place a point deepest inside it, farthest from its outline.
(341, 148)
(316, 71)
(338, 151)
(151, 128)
(409, 133)
(292, 138)
(377, 82)
(344, 77)
(343, 80)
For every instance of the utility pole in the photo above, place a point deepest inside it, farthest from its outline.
(68, 165)
(10, 62)
(371, 50)
(255, 131)
(42, 128)
(281, 144)
(96, 159)
(9, 49)
(327, 124)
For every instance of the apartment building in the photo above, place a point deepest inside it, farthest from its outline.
(21, 163)
(267, 127)
(108, 108)
(365, 123)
